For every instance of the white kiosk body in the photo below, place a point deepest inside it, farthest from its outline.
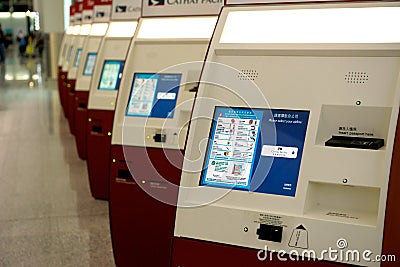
(101, 19)
(295, 155)
(65, 40)
(154, 104)
(64, 45)
(81, 39)
(78, 43)
(102, 15)
(71, 47)
(103, 92)
(66, 56)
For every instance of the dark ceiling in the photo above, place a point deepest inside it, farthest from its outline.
(15, 5)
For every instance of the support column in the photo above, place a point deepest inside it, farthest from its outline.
(52, 24)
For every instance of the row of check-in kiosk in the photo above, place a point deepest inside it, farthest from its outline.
(245, 134)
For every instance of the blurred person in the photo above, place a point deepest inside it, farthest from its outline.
(2, 46)
(40, 43)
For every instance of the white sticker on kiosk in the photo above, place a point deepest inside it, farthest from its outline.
(166, 96)
(279, 151)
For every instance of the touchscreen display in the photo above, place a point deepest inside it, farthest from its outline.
(257, 150)
(111, 75)
(70, 53)
(77, 57)
(89, 64)
(154, 95)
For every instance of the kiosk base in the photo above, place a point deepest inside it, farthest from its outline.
(80, 120)
(195, 253)
(142, 227)
(99, 127)
(59, 78)
(62, 87)
(70, 103)
(67, 85)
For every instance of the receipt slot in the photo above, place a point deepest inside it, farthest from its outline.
(159, 83)
(101, 105)
(261, 181)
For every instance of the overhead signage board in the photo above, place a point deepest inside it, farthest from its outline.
(126, 9)
(102, 10)
(158, 8)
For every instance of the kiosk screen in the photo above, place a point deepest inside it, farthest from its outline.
(70, 53)
(154, 95)
(257, 150)
(89, 64)
(111, 75)
(77, 57)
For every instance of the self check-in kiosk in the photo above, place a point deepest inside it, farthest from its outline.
(61, 75)
(69, 57)
(102, 15)
(79, 43)
(150, 126)
(103, 93)
(293, 148)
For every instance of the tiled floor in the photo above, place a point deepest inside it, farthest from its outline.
(47, 215)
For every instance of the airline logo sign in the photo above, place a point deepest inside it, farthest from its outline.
(156, 2)
(102, 10)
(87, 16)
(126, 9)
(181, 7)
(78, 12)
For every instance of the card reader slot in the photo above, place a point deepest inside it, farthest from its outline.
(160, 138)
(270, 233)
(125, 174)
(97, 129)
(355, 142)
(82, 105)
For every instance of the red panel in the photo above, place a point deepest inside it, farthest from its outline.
(64, 95)
(72, 10)
(80, 107)
(141, 226)
(70, 104)
(391, 235)
(88, 4)
(100, 123)
(61, 84)
(80, 7)
(103, 2)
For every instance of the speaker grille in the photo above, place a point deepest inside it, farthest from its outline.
(356, 77)
(248, 74)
